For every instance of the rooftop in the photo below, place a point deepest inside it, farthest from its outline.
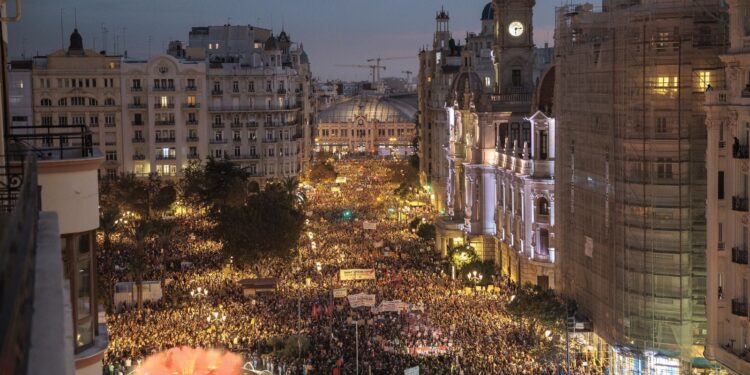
(372, 108)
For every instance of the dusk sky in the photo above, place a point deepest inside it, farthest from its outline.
(332, 31)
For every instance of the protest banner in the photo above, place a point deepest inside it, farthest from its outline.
(357, 274)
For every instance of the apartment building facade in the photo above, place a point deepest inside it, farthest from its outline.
(728, 125)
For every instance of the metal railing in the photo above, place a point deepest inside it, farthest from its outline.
(19, 199)
(739, 255)
(740, 151)
(739, 307)
(52, 142)
(739, 203)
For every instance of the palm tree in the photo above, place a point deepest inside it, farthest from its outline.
(140, 232)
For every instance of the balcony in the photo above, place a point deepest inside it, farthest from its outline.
(137, 106)
(163, 122)
(191, 88)
(167, 88)
(739, 255)
(136, 122)
(739, 203)
(237, 140)
(244, 157)
(218, 141)
(139, 157)
(739, 307)
(191, 122)
(164, 106)
(252, 124)
(165, 157)
(192, 138)
(740, 151)
(109, 125)
(193, 156)
(164, 140)
(236, 125)
(217, 125)
(217, 92)
(270, 140)
(136, 88)
(190, 105)
(139, 140)
(281, 91)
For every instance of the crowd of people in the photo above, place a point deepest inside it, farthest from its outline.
(446, 329)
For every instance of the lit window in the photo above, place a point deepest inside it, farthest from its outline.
(164, 101)
(666, 85)
(704, 80)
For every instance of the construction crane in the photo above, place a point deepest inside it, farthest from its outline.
(378, 59)
(408, 75)
(375, 70)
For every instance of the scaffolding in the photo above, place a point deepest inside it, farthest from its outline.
(630, 176)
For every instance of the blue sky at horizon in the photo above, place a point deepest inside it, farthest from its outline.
(332, 31)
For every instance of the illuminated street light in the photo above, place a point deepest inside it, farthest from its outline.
(199, 293)
(217, 317)
(318, 266)
(475, 277)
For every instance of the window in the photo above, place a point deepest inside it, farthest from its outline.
(217, 86)
(235, 86)
(516, 78)
(109, 101)
(136, 83)
(93, 102)
(218, 154)
(487, 81)
(46, 102)
(237, 151)
(251, 86)
(268, 86)
(191, 100)
(111, 155)
(164, 102)
(721, 185)
(661, 125)
(704, 80)
(62, 120)
(79, 120)
(218, 135)
(193, 151)
(109, 120)
(77, 100)
(191, 83)
(47, 120)
(236, 135)
(62, 102)
(664, 168)
(251, 135)
(217, 120)
(111, 173)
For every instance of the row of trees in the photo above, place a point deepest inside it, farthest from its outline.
(249, 221)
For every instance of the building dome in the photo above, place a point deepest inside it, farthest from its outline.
(372, 108)
(271, 44)
(488, 13)
(76, 41)
(465, 82)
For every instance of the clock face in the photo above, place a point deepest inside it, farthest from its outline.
(515, 28)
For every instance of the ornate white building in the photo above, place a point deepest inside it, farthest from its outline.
(164, 114)
(728, 123)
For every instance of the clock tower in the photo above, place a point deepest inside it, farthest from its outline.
(514, 46)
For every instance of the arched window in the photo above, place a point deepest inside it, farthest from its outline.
(542, 246)
(62, 102)
(109, 101)
(93, 102)
(542, 206)
(46, 102)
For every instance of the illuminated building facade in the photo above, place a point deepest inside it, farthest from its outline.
(630, 180)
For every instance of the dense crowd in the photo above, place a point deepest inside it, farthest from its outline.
(445, 330)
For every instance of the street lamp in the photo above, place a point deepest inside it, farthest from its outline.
(318, 266)
(217, 317)
(475, 277)
(199, 293)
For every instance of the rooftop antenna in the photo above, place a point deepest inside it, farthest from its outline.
(75, 17)
(149, 46)
(124, 29)
(62, 32)
(104, 37)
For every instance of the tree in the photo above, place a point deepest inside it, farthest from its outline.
(217, 184)
(323, 170)
(427, 231)
(140, 233)
(268, 224)
(109, 220)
